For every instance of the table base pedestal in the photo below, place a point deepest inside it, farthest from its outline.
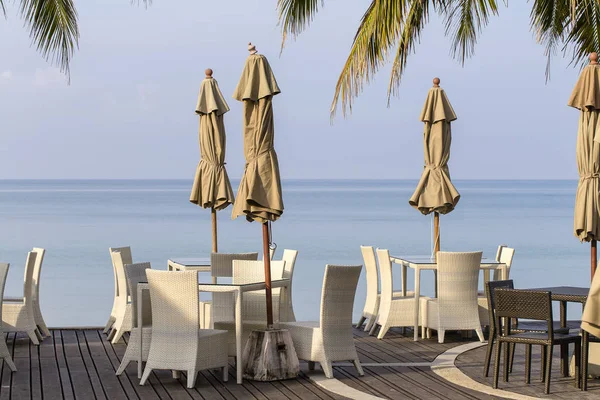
(269, 355)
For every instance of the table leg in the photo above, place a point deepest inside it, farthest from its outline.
(417, 295)
(563, 314)
(140, 333)
(238, 336)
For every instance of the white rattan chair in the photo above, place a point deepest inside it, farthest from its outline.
(122, 322)
(330, 339)
(37, 270)
(504, 255)
(369, 313)
(135, 274)
(19, 316)
(254, 307)
(117, 301)
(4, 353)
(456, 306)
(394, 310)
(178, 343)
(286, 313)
(220, 308)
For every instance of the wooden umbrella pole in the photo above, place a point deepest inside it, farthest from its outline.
(213, 214)
(436, 234)
(594, 257)
(267, 260)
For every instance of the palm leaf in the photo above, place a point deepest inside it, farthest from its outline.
(53, 28)
(464, 20)
(584, 34)
(379, 30)
(2, 8)
(295, 16)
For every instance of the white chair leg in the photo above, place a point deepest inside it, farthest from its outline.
(225, 373)
(441, 334)
(327, 368)
(108, 325)
(382, 331)
(39, 335)
(360, 323)
(111, 334)
(124, 364)
(428, 333)
(175, 374)
(369, 325)
(8, 360)
(191, 378)
(43, 328)
(423, 332)
(479, 332)
(117, 336)
(33, 336)
(373, 329)
(145, 375)
(358, 367)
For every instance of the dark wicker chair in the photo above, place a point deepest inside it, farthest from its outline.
(586, 339)
(532, 305)
(517, 327)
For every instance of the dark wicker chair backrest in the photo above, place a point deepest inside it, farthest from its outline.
(525, 304)
(490, 287)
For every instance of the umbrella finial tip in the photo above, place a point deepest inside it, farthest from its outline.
(436, 81)
(251, 48)
(208, 72)
(594, 58)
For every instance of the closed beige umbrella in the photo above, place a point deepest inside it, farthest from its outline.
(435, 191)
(586, 98)
(259, 195)
(211, 188)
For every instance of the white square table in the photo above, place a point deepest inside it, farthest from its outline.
(427, 263)
(238, 290)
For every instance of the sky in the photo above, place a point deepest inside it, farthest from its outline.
(128, 112)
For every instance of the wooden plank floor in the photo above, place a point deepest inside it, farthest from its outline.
(471, 363)
(81, 364)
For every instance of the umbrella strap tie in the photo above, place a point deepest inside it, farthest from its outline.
(214, 164)
(256, 157)
(590, 176)
(433, 167)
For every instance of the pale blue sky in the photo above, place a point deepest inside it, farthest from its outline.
(129, 111)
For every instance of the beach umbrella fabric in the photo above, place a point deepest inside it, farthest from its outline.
(435, 191)
(586, 98)
(259, 195)
(211, 188)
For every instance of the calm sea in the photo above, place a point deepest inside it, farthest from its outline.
(326, 220)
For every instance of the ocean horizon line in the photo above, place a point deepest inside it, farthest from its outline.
(283, 179)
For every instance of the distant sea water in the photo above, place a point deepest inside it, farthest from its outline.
(76, 221)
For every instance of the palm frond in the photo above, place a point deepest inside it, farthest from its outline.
(410, 34)
(464, 20)
(584, 34)
(295, 16)
(2, 8)
(550, 20)
(53, 28)
(378, 32)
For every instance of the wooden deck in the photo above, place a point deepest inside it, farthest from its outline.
(81, 364)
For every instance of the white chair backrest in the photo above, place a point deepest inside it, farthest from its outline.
(387, 282)
(175, 305)
(287, 311)
(337, 301)
(254, 303)
(28, 281)
(119, 268)
(127, 259)
(368, 254)
(221, 264)
(3, 273)
(499, 251)
(37, 270)
(458, 279)
(136, 273)
(506, 257)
